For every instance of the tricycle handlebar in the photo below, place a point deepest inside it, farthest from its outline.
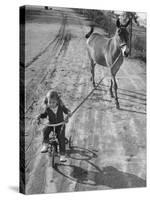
(54, 125)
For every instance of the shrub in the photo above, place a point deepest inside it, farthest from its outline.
(139, 43)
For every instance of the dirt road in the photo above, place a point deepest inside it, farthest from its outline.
(109, 144)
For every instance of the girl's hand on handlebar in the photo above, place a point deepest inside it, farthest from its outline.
(66, 119)
(69, 114)
(38, 120)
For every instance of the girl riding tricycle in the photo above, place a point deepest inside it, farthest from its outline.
(54, 110)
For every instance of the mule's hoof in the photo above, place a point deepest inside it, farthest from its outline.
(112, 96)
(94, 85)
(118, 106)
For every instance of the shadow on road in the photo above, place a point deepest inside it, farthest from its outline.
(108, 176)
(132, 111)
(129, 91)
(132, 100)
(79, 153)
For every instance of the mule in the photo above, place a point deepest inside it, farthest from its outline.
(108, 52)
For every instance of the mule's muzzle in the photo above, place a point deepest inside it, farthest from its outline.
(124, 49)
(126, 54)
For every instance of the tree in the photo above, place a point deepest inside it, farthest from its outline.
(132, 16)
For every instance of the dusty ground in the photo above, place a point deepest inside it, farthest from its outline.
(109, 144)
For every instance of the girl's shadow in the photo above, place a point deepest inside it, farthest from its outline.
(108, 176)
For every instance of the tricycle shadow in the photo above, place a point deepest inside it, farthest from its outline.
(108, 176)
(79, 153)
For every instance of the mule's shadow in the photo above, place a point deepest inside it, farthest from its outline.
(132, 111)
(108, 176)
(133, 98)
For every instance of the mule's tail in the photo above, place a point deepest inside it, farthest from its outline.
(90, 32)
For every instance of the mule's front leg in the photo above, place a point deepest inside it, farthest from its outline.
(116, 95)
(93, 72)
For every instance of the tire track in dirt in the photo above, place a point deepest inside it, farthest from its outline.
(57, 40)
(59, 49)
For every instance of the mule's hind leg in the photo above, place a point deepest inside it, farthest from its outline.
(115, 89)
(93, 72)
(110, 89)
(92, 67)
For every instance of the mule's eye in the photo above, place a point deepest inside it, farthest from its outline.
(119, 31)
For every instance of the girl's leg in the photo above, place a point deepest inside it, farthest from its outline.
(61, 139)
(46, 132)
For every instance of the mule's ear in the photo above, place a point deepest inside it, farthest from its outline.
(127, 23)
(118, 23)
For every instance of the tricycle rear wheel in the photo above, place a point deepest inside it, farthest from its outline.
(70, 142)
(53, 155)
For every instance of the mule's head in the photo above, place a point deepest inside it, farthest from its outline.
(122, 35)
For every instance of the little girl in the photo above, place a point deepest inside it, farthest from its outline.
(54, 112)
